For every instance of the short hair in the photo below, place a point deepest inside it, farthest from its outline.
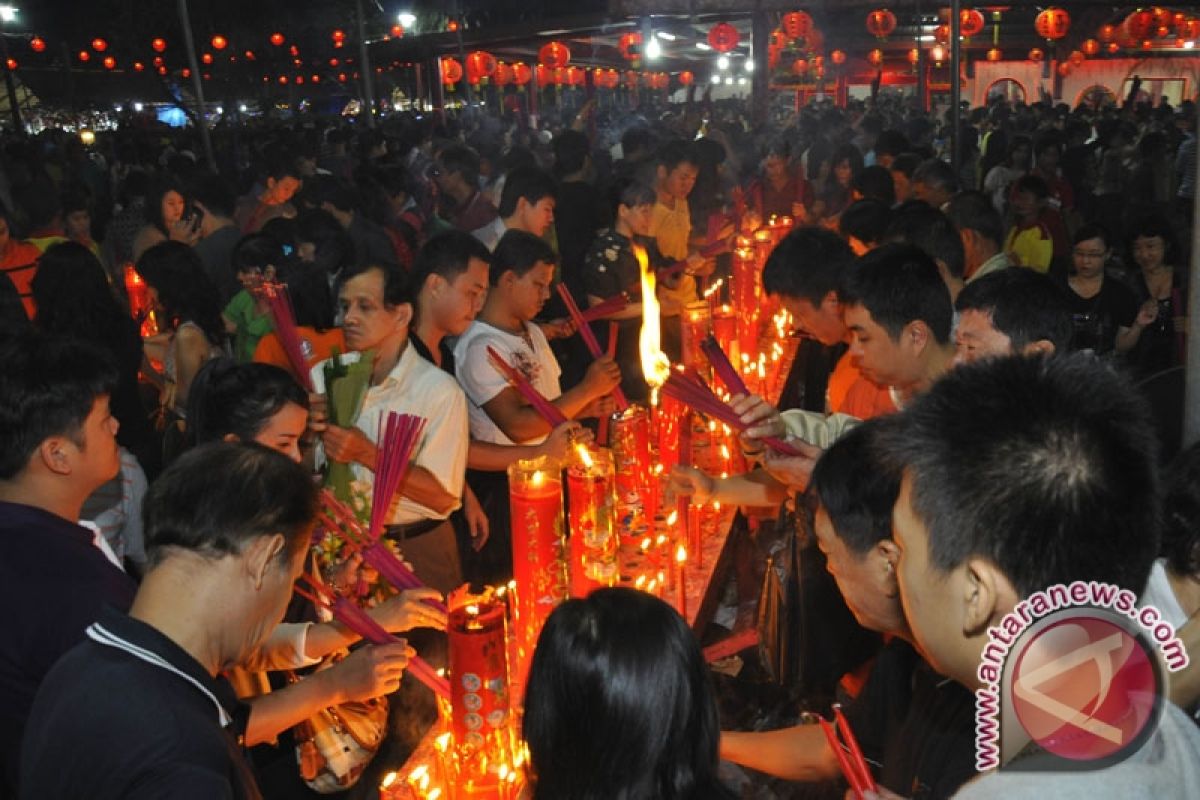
(214, 193)
(1148, 226)
(631, 193)
(448, 254)
(875, 183)
(906, 164)
(619, 703)
(256, 251)
(50, 385)
(1024, 305)
(807, 264)
(571, 151)
(309, 292)
(865, 220)
(1045, 466)
(636, 138)
(518, 252)
(936, 173)
(338, 192)
(279, 164)
(891, 142)
(240, 399)
(677, 152)
(899, 284)
(920, 224)
(217, 498)
(396, 288)
(463, 160)
(974, 211)
(1181, 513)
(529, 183)
(1034, 184)
(162, 185)
(856, 488)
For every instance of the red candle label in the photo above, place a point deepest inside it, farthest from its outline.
(479, 672)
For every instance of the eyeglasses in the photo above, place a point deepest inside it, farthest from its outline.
(1093, 254)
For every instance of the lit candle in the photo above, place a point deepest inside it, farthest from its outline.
(479, 693)
(593, 541)
(681, 582)
(630, 436)
(696, 319)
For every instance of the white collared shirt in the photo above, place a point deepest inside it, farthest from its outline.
(491, 234)
(414, 386)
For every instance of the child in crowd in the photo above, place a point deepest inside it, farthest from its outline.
(247, 316)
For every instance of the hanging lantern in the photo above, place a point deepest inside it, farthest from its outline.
(397, 31)
(938, 54)
(99, 45)
(1076, 58)
(481, 65)
(1113, 48)
(158, 45)
(1107, 33)
(338, 36)
(778, 39)
(723, 37)
(875, 57)
(970, 22)
(819, 72)
(545, 75)
(207, 58)
(522, 74)
(341, 77)
(158, 62)
(283, 79)
(773, 54)
(795, 25)
(504, 74)
(452, 25)
(1139, 24)
(837, 57)
(219, 42)
(577, 76)
(110, 62)
(12, 64)
(1163, 18)
(1064, 68)
(1147, 44)
(881, 23)
(631, 79)
(630, 45)
(37, 44)
(686, 78)
(1036, 55)
(138, 66)
(914, 56)
(554, 55)
(994, 55)
(185, 72)
(278, 40)
(85, 56)
(1053, 23)
(249, 54)
(1090, 48)
(941, 34)
(1190, 29)
(799, 67)
(452, 71)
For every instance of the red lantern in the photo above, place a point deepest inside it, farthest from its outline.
(162, 70)
(219, 42)
(452, 25)
(207, 58)
(577, 76)
(1036, 55)
(1190, 29)
(1139, 24)
(554, 55)
(938, 54)
(315, 78)
(37, 44)
(1163, 18)
(837, 57)
(158, 62)
(99, 45)
(12, 64)
(504, 75)
(881, 23)
(522, 74)
(630, 45)
(1147, 44)
(914, 56)
(452, 71)
(800, 67)
(797, 25)
(942, 34)
(158, 45)
(341, 77)
(686, 78)
(631, 79)
(338, 35)
(397, 31)
(970, 22)
(1064, 68)
(295, 51)
(249, 54)
(778, 39)
(1090, 47)
(875, 57)
(283, 79)
(481, 65)
(278, 40)
(1113, 48)
(84, 55)
(187, 73)
(1077, 58)
(723, 37)
(994, 55)
(1107, 33)
(1053, 23)
(138, 66)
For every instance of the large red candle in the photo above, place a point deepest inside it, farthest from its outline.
(479, 695)
(695, 320)
(631, 457)
(593, 539)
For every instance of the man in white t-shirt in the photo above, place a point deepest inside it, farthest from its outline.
(521, 275)
(377, 310)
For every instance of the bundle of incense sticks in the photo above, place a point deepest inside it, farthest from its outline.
(397, 440)
(692, 391)
(589, 338)
(853, 764)
(371, 631)
(337, 517)
(613, 305)
(547, 410)
(723, 368)
(284, 320)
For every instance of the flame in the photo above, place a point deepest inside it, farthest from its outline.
(585, 456)
(655, 365)
(680, 554)
(435, 794)
(672, 518)
(714, 288)
(443, 742)
(538, 479)
(388, 780)
(473, 610)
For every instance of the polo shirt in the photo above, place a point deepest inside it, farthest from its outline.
(53, 583)
(128, 713)
(415, 386)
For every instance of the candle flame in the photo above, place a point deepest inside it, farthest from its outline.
(388, 780)
(640, 582)
(435, 794)
(672, 518)
(442, 742)
(646, 543)
(662, 539)
(714, 288)
(538, 479)
(473, 610)
(651, 585)
(503, 773)
(681, 554)
(585, 456)
(655, 365)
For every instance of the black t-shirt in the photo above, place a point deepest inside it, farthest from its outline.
(576, 220)
(53, 583)
(128, 713)
(1095, 320)
(917, 724)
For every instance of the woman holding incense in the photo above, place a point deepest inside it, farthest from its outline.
(619, 704)
(916, 729)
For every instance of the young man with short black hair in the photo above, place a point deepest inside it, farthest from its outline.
(456, 175)
(1013, 311)
(929, 228)
(526, 204)
(982, 232)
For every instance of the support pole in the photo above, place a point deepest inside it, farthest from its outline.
(760, 95)
(185, 21)
(955, 85)
(1191, 406)
(10, 84)
(364, 58)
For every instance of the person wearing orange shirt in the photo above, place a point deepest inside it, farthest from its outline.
(18, 261)
(312, 305)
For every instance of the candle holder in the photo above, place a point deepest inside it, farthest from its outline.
(630, 432)
(593, 539)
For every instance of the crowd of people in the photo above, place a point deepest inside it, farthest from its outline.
(985, 396)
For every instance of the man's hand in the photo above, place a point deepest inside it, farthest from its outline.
(348, 446)
(407, 610)
(599, 408)
(370, 671)
(700, 266)
(478, 525)
(602, 376)
(562, 439)
(559, 328)
(763, 419)
(792, 471)
(691, 482)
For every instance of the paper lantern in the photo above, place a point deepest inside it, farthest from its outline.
(1036, 55)
(249, 54)
(778, 39)
(631, 79)
(481, 65)
(837, 57)
(158, 62)
(554, 55)
(1190, 29)
(576, 76)
(914, 56)
(341, 77)
(187, 73)
(1139, 24)
(206, 58)
(277, 40)
(37, 44)
(630, 45)
(504, 74)
(397, 31)
(1107, 33)
(875, 57)
(1147, 44)
(1090, 47)
(162, 70)
(941, 34)
(138, 66)
(99, 45)
(1113, 48)
(452, 25)
(970, 22)
(522, 74)
(796, 25)
(338, 35)
(723, 37)
(158, 45)
(1163, 18)
(1076, 58)
(938, 54)
(283, 79)
(11, 63)
(686, 78)
(452, 71)
(1064, 68)
(219, 42)
(881, 23)
(800, 67)
(85, 56)
(1053, 23)
(994, 55)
